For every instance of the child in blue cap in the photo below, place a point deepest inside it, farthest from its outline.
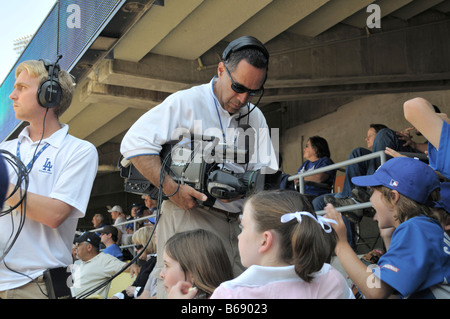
(417, 261)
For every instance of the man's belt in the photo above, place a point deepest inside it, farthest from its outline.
(223, 211)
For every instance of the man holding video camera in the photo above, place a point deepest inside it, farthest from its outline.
(220, 105)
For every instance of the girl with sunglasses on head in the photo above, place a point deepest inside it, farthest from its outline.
(287, 249)
(147, 262)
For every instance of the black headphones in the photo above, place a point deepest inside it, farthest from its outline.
(245, 41)
(49, 93)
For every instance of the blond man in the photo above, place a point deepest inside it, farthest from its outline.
(61, 170)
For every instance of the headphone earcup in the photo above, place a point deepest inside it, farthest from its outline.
(49, 94)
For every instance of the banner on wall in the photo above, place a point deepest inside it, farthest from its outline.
(69, 29)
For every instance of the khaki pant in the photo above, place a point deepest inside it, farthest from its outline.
(174, 219)
(32, 290)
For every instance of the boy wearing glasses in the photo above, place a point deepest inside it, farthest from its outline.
(215, 109)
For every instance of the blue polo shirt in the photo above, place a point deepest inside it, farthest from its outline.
(439, 158)
(114, 250)
(321, 162)
(417, 263)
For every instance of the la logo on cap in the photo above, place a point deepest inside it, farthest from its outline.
(393, 183)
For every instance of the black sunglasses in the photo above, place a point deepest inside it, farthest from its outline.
(239, 88)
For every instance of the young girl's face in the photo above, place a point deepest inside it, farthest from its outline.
(172, 272)
(249, 238)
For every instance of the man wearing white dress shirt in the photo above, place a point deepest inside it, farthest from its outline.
(219, 106)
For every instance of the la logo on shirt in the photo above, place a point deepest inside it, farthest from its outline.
(47, 167)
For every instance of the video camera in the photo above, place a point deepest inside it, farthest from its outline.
(199, 163)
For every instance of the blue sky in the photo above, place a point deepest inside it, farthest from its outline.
(18, 18)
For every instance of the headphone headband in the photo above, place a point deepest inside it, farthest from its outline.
(244, 42)
(52, 68)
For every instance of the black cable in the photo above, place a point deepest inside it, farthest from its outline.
(254, 107)
(57, 37)
(106, 282)
(40, 141)
(159, 200)
(162, 176)
(21, 172)
(32, 279)
(158, 213)
(22, 177)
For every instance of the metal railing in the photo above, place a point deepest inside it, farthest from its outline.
(134, 221)
(301, 176)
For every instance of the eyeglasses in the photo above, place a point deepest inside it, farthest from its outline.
(239, 88)
(138, 247)
(79, 244)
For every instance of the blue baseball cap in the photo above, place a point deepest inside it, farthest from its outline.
(408, 176)
(444, 202)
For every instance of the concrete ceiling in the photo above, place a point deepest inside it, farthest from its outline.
(153, 48)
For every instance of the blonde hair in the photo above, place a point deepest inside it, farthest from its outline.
(304, 245)
(141, 237)
(66, 81)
